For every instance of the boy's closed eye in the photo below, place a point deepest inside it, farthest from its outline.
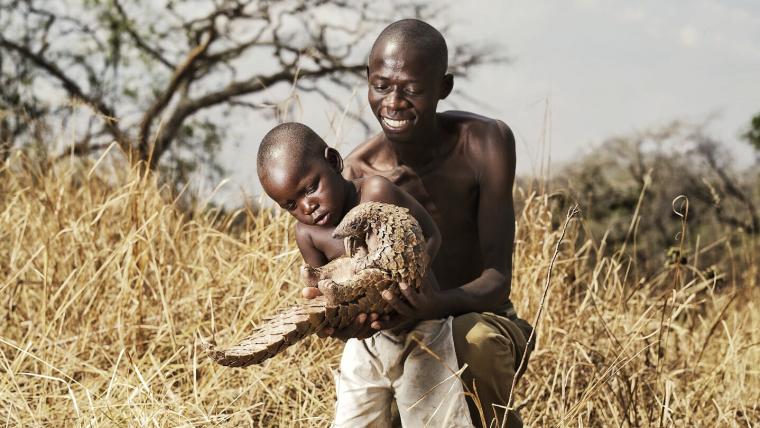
(312, 188)
(291, 205)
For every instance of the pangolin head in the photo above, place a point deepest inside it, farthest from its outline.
(354, 224)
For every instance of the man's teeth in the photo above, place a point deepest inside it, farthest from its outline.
(396, 123)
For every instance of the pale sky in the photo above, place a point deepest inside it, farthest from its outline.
(599, 68)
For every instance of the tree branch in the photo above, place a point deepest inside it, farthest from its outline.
(705, 147)
(73, 89)
(181, 75)
(235, 89)
(139, 42)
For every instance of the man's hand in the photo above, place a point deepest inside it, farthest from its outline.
(426, 303)
(359, 329)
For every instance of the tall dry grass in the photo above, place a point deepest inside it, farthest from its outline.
(105, 286)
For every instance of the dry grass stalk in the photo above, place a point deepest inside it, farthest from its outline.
(571, 213)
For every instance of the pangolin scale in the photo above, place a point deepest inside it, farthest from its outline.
(384, 246)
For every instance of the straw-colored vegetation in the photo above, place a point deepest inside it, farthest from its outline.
(106, 285)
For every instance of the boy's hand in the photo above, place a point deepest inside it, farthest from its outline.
(309, 276)
(359, 329)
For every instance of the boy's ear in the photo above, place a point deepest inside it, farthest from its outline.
(447, 85)
(367, 70)
(334, 159)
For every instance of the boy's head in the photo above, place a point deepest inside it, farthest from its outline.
(302, 174)
(407, 77)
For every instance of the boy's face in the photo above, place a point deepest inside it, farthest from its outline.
(312, 190)
(405, 86)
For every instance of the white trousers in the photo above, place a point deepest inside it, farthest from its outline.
(386, 366)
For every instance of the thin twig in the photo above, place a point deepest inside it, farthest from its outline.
(458, 373)
(571, 213)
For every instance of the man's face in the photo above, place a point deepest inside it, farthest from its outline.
(404, 89)
(312, 191)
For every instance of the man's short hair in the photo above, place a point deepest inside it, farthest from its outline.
(420, 36)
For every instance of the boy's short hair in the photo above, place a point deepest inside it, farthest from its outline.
(420, 36)
(292, 140)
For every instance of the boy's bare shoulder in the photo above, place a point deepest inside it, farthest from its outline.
(303, 232)
(307, 233)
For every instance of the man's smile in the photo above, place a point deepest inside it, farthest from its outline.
(396, 124)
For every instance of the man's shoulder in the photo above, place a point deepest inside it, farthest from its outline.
(362, 158)
(478, 129)
(482, 137)
(366, 149)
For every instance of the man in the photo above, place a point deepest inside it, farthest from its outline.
(460, 167)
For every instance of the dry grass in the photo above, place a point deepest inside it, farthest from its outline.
(105, 286)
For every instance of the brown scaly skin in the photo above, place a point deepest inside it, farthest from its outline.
(385, 246)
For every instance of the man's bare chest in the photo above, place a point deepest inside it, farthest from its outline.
(454, 196)
(449, 192)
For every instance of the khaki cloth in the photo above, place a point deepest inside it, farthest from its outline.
(492, 346)
(387, 366)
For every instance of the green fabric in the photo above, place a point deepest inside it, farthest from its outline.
(492, 346)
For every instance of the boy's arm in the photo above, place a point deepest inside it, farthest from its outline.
(311, 255)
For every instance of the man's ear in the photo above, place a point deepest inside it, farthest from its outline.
(447, 85)
(334, 159)
(367, 70)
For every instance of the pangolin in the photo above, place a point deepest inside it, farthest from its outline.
(384, 246)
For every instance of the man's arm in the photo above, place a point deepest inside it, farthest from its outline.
(496, 226)
(496, 229)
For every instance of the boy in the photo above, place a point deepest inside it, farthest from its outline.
(460, 166)
(303, 176)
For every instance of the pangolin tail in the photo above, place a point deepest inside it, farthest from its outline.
(272, 336)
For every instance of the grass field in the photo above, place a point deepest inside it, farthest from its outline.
(106, 286)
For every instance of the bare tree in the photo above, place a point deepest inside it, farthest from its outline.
(18, 110)
(745, 214)
(648, 170)
(752, 135)
(152, 71)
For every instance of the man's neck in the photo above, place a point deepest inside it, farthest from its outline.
(352, 196)
(424, 150)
